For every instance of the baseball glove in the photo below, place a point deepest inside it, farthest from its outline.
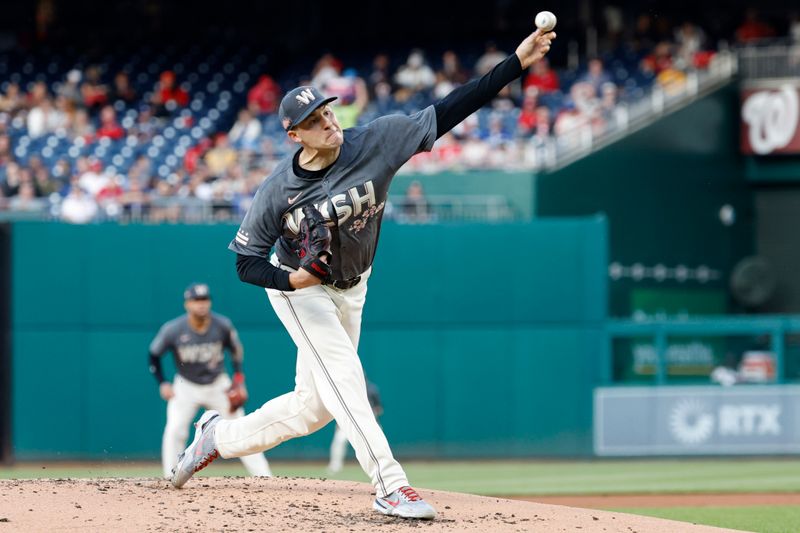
(314, 246)
(237, 393)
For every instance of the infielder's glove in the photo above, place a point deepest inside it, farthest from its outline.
(237, 393)
(314, 244)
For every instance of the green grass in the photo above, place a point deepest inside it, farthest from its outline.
(758, 518)
(507, 477)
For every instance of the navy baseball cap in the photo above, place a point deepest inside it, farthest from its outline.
(299, 103)
(197, 291)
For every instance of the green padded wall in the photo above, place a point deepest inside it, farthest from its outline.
(485, 340)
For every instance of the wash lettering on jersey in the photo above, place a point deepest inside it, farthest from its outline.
(359, 203)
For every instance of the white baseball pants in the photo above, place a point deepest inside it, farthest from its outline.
(181, 410)
(338, 450)
(325, 324)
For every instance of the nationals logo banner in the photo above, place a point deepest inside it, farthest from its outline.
(771, 118)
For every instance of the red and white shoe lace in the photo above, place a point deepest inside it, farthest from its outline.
(207, 460)
(409, 494)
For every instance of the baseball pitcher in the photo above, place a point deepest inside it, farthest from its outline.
(198, 340)
(309, 238)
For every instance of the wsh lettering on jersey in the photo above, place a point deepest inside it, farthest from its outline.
(356, 202)
(207, 352)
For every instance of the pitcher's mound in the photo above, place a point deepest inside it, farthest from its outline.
(281, 504)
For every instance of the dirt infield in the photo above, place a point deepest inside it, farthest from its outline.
(282, 504)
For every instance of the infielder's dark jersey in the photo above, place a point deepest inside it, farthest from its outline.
(351, 195)
(198, 357)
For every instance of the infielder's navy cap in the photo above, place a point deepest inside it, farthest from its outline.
(299, 103)
(197, 291)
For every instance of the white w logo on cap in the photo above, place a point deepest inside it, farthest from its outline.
(305, 96)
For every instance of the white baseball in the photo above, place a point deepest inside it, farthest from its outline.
(545, 21)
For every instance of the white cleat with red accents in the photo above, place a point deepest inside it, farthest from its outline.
(405, 503)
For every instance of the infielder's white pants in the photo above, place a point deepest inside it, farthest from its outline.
(338, 450)
(181, 410)
(325, 324)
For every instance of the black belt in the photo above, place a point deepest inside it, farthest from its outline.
(344, 284)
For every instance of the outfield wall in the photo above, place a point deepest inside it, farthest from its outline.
(485, 340)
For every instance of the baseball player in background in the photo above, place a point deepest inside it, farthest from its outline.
(339, 442)
(198, 340)
(321, 210)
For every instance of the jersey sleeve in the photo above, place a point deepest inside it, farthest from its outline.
(402, 136)
(163, 340)
(258, 232)
(232, 341)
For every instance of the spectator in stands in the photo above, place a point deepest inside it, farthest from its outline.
(415, 206)
(45, 185)
(672, 80)
(221, 157)
(123, 91)
(109, 197)
(794, 27)
(109, 127)
(264, 97)
(753, 28)
(595, 75)
(383, 100)
(328, 66)
(90, 175)
(570, 125)
(452, 69)
(660, 59)
(168, 96)
(450, 76)
(542, 77)
(81, 127)
(26, 199)
(608, 102)
(504, 102)
(6, 156)
(44, 119)
(134, 200)
(526, 122)
(10, 185)
(71, 88)
(380, 74)
(689, 41)
(490, 58)
(146, 125)
(496, 134)
(38, 94)
(644, 35)
(78, 207)
(542, 130)
(246, 131)
(194, 155)
(62, 170)
(93, 91)
(12, 101)
(446, 151)
(353, 96)
(414, 76)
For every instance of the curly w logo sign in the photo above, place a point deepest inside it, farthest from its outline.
(771, 119)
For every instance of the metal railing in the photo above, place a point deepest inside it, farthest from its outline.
(775, 326)
(770, 59)
(432, 209)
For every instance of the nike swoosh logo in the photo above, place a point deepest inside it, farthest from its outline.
(293, 200)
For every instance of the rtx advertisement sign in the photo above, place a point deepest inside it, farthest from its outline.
(770, 113)
(697, 420)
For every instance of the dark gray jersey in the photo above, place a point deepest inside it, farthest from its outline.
(198, 357)
(351, 195)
